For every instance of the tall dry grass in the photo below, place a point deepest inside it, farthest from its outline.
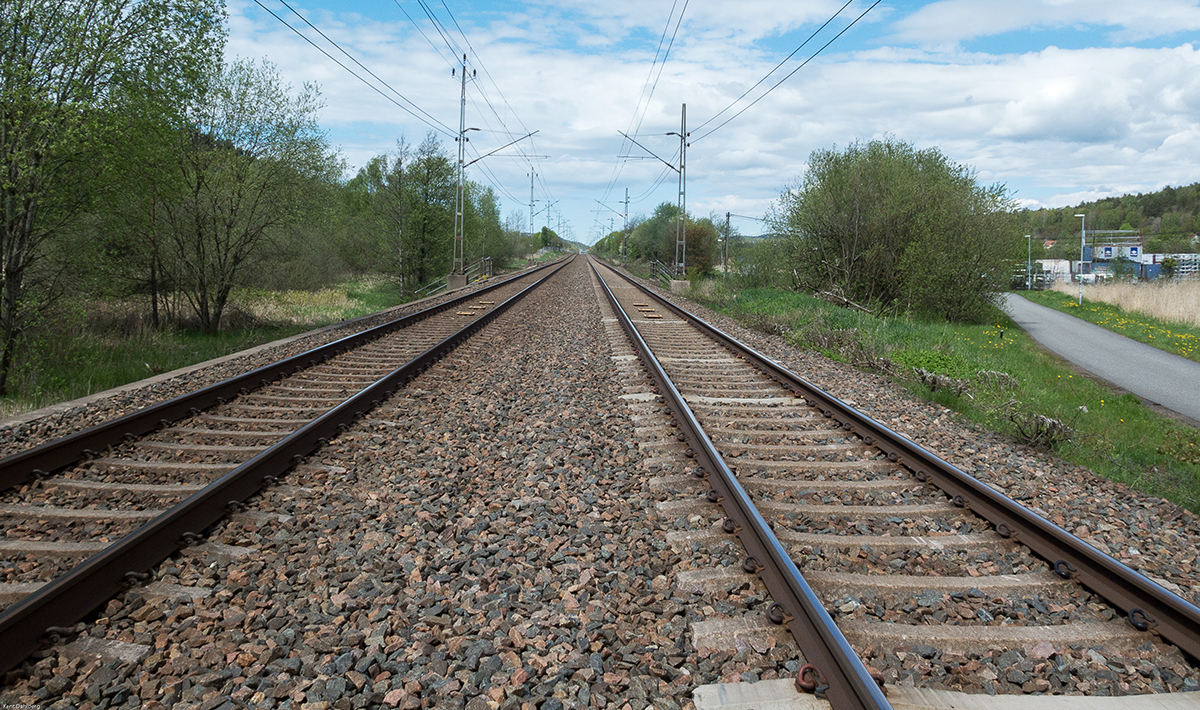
(1175, 300)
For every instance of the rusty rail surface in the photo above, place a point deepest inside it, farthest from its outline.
(850, 685)
(1147, 605)
(70, 597)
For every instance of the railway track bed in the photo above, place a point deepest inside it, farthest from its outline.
(520, 526)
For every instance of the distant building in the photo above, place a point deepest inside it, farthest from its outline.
(1186, 265)
(1056, 269)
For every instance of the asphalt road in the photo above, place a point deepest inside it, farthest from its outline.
(1152, 374)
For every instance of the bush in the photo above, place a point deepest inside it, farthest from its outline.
(890, 228)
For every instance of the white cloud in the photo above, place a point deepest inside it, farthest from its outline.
(1052, 123)
(950, 22)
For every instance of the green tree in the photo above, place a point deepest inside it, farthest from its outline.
(429, 224)
(899, 229)
(65, 66)
(246, 170)
(379, 202)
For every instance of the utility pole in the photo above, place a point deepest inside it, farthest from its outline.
(680, 218)
(625, 228)
(531, 201)
(725, 251)
(400, 213)
(457, 277)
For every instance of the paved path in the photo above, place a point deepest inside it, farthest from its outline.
(1152, 374)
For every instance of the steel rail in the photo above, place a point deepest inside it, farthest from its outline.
(69, 598)
(1148, 605)
(850, 684)
(55, 455)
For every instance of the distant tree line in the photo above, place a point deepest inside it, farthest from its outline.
(136, 164)
(1168, 220)
(653, 238)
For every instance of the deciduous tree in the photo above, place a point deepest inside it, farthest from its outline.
(65, 66)
(898, 228)
(253, 150)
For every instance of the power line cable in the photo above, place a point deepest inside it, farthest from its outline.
(360, 64)
(530, 158)
(436, 48)
(777, 66)
(789, 75)
(352, 73)
(635, 121)
(437, 25)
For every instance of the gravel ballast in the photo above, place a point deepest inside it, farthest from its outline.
(489, 538)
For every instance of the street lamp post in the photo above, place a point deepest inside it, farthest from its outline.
(1082, 240)
(1028, 262)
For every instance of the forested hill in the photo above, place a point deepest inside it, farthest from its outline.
(1168, 219)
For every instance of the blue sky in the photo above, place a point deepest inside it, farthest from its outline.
(1061, 100)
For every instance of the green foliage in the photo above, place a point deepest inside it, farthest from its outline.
(71, 71)
(247, 168)
(933, 360)
(83, 347)
(403, 208)
(890, 227)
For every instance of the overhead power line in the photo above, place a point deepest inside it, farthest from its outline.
(360, 64)
(419, 29)
(777, 66)
(789, 74)
(639, 112)
(376, 89)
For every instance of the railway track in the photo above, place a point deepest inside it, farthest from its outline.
(488, 536)
(884, 562)
(85, 516)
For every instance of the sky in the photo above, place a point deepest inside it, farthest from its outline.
(1061, 101)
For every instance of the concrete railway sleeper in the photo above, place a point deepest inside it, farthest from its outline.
(86, 516)
(524, 527)
(875, 551)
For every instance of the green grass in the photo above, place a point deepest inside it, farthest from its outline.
(98, 346)
(1183, 340)
(1006, 381)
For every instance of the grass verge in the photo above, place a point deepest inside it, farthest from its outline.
(98, 346)
(1182, 340)
(993, 375)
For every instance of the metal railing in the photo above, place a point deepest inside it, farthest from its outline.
(477, 271)
(480, 270)
(434, 287)
(662, 272)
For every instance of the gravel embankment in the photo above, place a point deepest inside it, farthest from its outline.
(488, 536)
(1149, 534)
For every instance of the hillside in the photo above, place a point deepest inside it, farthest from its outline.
(1168, 220)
